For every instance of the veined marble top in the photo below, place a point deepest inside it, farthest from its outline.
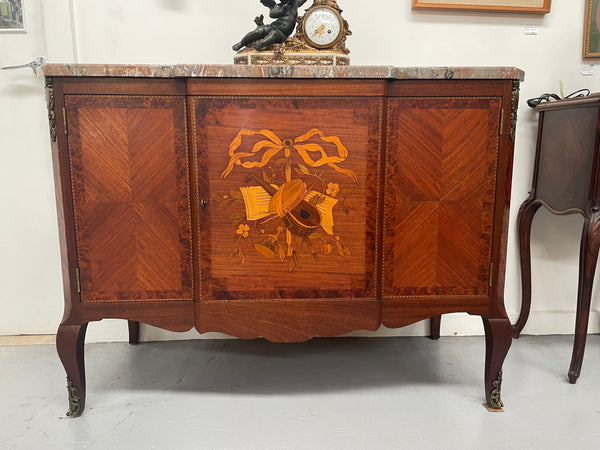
(257, 71)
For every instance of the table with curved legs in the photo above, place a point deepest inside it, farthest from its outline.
(565, 181)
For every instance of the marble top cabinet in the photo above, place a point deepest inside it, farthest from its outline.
(281, 202)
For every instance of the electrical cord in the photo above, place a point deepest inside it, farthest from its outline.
(533, 102)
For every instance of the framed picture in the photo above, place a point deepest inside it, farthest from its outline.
(591, 30)
(517, 6)
(12, 17)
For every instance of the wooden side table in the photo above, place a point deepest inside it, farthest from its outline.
(566, 181)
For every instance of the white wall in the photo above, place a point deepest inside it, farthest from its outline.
(385, 32)
(31, 291)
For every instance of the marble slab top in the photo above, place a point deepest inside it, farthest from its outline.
(256, 71)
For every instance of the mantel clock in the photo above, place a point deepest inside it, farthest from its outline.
(320, 37)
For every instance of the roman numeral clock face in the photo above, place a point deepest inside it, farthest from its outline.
(322, 27)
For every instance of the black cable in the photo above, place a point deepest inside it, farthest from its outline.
(533, 102)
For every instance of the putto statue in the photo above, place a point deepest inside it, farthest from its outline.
(285, 14)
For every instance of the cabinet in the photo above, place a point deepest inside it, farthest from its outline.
(282, 203)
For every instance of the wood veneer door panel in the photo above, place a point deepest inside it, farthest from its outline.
(441, 162)
(253, 152)
(130, 179)
(566, 157)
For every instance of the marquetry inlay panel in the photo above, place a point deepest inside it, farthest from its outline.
(290, 192)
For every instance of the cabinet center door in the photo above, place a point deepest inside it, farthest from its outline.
(287, 196)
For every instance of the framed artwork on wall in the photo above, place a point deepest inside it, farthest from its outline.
(517, 6)
(12, 17)
(591, 29)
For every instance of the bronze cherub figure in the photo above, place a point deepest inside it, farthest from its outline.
(285, 14)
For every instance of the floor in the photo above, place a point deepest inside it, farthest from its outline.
(344, 393)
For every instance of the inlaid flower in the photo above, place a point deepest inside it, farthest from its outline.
(243, 230)
(333, 189)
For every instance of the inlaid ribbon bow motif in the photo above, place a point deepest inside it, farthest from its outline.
(265, 149)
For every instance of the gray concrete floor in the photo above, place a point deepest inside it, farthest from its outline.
(344, 393)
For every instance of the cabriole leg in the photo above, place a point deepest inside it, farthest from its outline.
(498, 337)
(526, 213)
(70, 345)
(588, 257)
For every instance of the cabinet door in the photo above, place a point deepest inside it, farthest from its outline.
(566, 154)
(442, 158)
(290, 189)
(129, 173)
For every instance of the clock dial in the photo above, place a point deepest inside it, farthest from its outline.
(322, 27)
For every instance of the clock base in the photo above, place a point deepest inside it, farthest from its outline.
(249, 56)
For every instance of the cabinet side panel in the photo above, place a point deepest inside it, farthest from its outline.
(440, 194)
(130, 177)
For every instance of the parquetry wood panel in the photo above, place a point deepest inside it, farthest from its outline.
(257, 157)
(439, 195)
(129, 170)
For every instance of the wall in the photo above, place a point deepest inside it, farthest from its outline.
(386, 32)
(29, 269)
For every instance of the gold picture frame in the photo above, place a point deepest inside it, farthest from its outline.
(515, 6)
(591, 29)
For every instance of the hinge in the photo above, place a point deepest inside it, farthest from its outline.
(78, 279)
(65, 119)
(501, 121)
(490, 275)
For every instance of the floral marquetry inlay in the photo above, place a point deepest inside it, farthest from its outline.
(285, 185)
(287, 211)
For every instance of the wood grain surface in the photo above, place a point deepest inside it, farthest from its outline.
(440, 194)
(267, 258)
(128, 158)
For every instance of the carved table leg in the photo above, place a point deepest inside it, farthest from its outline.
(588, 257)
(435, 324)
(497, 342)
(70, 345)
(526, 213)
(134, 332)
